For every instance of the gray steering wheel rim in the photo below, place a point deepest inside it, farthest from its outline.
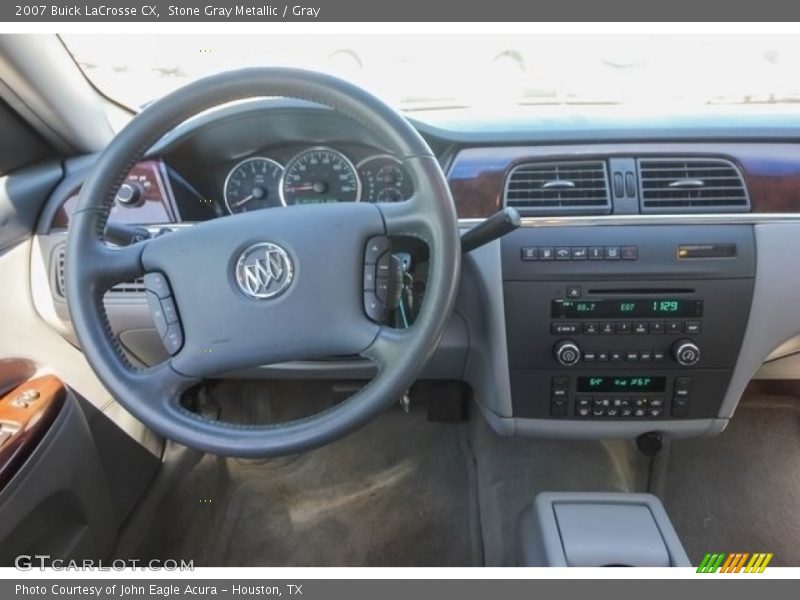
(152, 394)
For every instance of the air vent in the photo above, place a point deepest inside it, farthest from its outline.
(133, 287)
(562, 187)
(691, 184)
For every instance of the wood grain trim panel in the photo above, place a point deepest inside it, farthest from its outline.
(27, 425)
(155, 208)
(771, 170)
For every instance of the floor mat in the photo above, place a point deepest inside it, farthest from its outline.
(396, 493)
(740, 491)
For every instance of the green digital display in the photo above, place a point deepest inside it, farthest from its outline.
(632, 383)
(618, 309)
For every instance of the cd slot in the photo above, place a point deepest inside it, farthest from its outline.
(639, 291)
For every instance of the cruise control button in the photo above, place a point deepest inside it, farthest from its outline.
(157, 312)
(156, 283)
(173, 340)
(170, 312)
(376, 247)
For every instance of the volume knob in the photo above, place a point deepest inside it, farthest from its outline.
(567, 352)
(686, 353)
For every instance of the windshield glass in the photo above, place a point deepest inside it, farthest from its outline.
(427, 72)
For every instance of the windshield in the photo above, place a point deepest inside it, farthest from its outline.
(417, 72)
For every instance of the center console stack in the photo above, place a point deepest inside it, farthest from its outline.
(634, 322)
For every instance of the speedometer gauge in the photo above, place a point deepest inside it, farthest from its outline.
(385, 179)
(320, 175)
(253, 184)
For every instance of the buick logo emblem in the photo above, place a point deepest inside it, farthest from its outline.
(264, 270)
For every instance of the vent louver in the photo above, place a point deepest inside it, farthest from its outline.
(133, 287)
(559, 187)
(691, 184)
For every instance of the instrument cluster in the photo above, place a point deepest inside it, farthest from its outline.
(315, 175)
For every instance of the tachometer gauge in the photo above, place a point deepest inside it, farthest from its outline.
(385, 179)
(320, 175)
(253, 184)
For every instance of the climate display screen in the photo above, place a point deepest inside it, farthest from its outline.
(619, 309)
(633, 383)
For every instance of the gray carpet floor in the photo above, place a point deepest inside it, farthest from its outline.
(406, 492)
(399, 492)
(740, 491)
(512, 471)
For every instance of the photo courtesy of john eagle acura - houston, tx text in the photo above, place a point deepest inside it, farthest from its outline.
(401, 299)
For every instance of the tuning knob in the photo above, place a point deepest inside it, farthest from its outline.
(567, 352)
(129, 194)
(685, 353)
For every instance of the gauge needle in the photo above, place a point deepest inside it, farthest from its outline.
(303, 187)
(244, 200)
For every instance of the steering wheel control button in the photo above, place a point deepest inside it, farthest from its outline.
(157, 313)
(369, 277)
(170, 312)
(173, 340)
(376, 310)
(376, 247)
(157, 283)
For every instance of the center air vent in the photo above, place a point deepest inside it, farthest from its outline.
(691, 184)
(59, 282)
(559, 187)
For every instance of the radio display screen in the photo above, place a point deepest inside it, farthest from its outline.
(620, 309)
(633, 383)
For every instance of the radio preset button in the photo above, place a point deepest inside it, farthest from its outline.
(693, 327)
(674, 327)
(640, 328)
(623, 327)
(657, 327)
(591, 329)
(606, 328)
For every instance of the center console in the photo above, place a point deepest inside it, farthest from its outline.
(634, 322)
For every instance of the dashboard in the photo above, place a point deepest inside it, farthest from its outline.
(649, 281)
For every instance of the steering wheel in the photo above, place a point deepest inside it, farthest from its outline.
(266, 286)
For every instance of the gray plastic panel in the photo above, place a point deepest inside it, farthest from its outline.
(588, 529)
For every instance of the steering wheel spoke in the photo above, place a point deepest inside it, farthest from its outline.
(387, 347)
(108, 265)
(405, 219)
